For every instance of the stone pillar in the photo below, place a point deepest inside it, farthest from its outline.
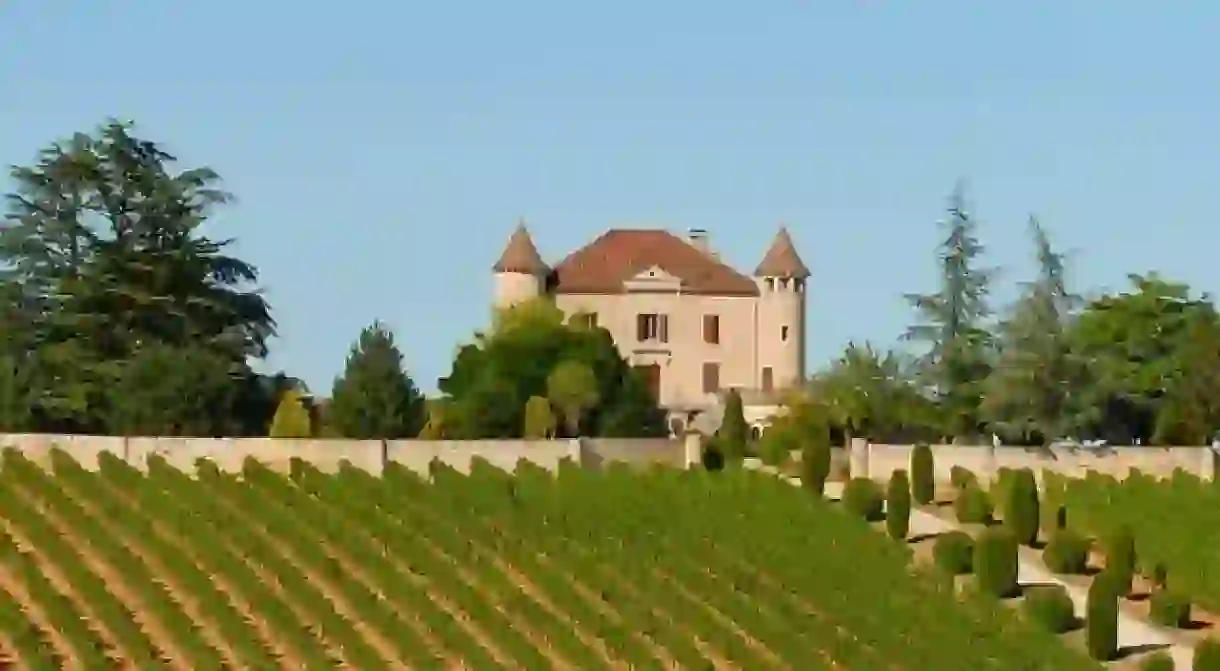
(991, 464)
(1207, 470)
(859, 458)
(576, 452)
(692, 448)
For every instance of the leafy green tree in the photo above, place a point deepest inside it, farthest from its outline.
(104, 255)
(375, 398)
(572, 388)
(539, 420)
(16, 395)
(869, 394)
(292, 418)
(1146, 352)
(952, 323)
(494, 376)
(1029, 396)
(733, 436)
(172, 391)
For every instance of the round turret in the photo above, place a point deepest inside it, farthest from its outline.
(781, 278)
(520, 274)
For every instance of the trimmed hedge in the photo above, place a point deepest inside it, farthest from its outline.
(1169, 609)
(1050, 607)
(1067, 552)
(962, 477)
(898, 506)
(953, 552)
(1120, 558)
(972, 506)
(863, 498)
(1101, 618)
(1207, 655)
(923, 474)
(995, 562)
(1158, 661)
(1021, 507)
(815, 462)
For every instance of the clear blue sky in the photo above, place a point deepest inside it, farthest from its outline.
(383, 152)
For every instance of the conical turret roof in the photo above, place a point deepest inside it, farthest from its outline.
(781, 260)
(521, 256)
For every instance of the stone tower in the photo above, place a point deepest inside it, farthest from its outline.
(520, 272)
(781, 278)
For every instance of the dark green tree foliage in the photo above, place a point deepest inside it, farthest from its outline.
(898, 505)
(952, 323)
(17, 394)
(923, 474)
(734, 433)
(375, 398)
(1121, 559)
(995, 562)
(863, 497)
(815, 459)
(1029, 396)
(1021, 510)
(104, 256)
(1101, 619)
(493, 378)
(172, 391)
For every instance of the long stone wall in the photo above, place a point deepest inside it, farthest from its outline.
(371, 455)
(879, 461)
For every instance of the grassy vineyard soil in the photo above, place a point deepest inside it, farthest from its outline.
(582, 570)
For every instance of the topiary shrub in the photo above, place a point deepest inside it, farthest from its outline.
(862, 497)
(961, 477)
(1157, 661)
(1101, 619)
(1207, 655)
(291, 418)
(712, 456)
(898, 505)
(1021, 509)
(1000, 486)
(972, 506)
(1169, 609)
(923, 474)
(1067, 552)
(1050, 607)
(1120, 558)
(995, 562)
(1160, 575)
(815, 461)
(953, 552)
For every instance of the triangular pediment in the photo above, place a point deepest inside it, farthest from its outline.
(655, 273)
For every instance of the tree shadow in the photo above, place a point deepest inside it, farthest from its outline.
(919, 538)
(1130, 650)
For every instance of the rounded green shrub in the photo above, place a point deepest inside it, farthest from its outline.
(1169, 609)
(972, 506)
(995, 562)
(1067, 552)
(898, 505)
(1101, 619)
(1120, 558)
(961, 477)
(862, 497)
(1207, 655)
(1021, 509)
(1050, 607)
(923, 474)
(1157, 661)
(712, 456)
(953, 552)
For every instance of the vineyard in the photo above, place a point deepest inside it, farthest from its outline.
(1175, 524)
(580, 570)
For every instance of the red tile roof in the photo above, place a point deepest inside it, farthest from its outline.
(619, 254)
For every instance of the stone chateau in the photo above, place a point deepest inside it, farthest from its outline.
(690, 322)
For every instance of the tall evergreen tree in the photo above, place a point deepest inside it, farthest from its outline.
(952, 323)
(375, 398)
(1031, 394)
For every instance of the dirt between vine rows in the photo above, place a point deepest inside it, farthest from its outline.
(55, 576)
(17, 591)
(247, 611)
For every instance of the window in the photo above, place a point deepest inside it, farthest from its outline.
(711, 377)
(585, 319)
(798, 284)
(652, 327)
(768, 379)
(711, 329)
(770, 283)
(783, 333)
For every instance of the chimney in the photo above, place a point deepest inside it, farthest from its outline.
(697, 237)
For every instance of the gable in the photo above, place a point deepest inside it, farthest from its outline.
(622, 258)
